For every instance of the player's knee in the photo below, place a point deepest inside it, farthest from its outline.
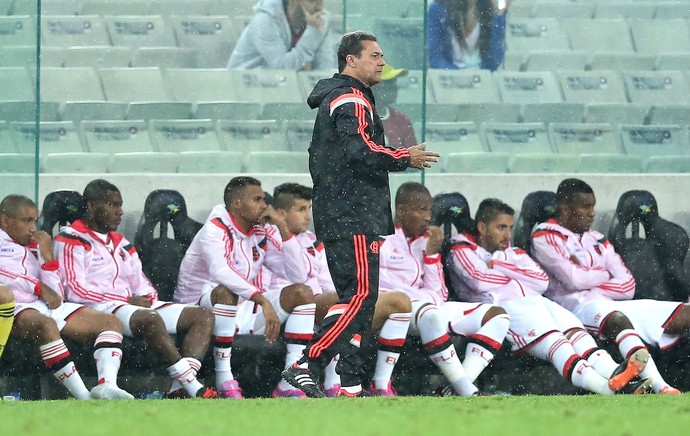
(112, 323)
(222, 295)
(302, 294)
(46, 329)
(6, 294)
(148, 321)
(615, 323)
(494, 312)
(400, 303)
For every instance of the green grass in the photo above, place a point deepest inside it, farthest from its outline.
(528, 415)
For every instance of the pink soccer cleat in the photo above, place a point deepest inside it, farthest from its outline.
(230, 389)
(669, 390)
(288, 393)
(333, 391)
(388, 392)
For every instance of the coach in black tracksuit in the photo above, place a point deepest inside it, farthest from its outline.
(349, 165)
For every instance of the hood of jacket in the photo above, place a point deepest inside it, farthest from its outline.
(325, 86)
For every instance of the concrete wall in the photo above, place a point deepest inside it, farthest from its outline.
(202, 192)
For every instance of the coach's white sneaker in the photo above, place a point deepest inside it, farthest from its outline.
(110, 391)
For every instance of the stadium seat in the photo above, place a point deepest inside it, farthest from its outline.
(277, 86)
(161, 110)
(592, 86)
(479, 163)
(298, 134)
(51, 7)
(172, 8)
(622, 61)
(308, 79)
(553, 113)
(96, 56)
(488, 112)
(59, 209)
(528, 87)
(184, 135)
(16, 56)
(403, 39)
(653, 248)
(6, 141)
(577, 138)
(70, 84)
(514, 61)
(556, 60)
(667, 164)
(55, 137)
(50, 57)
(140, 30)
(277, 162)
(647, 141)
(240, 7)
(660, 36)
(387, 8)
(434, 112)
(529, 138)
(462, 86)
(562, 9)
(537, 207)
(120, 7)
(18, 30)
(160, 254)
(672, 10)
(228, 110)
(212, 37)
(541, 163)
(669, 114)
(144, 162)
(592, 35)
(75, 163)
(250, 135)
(68, 31)
(287, 111)
(673, 61)
(116, 136)
(528, 34)
(17, 163)
(26, 111)
(411, 87)
(211, 162)
(92, 110)
(203, 84)
(134, 84)
(608, 163)
(446, 138)
(651, 87)
(165, 57)
(18, 85)
(620, 9)
(616, 113)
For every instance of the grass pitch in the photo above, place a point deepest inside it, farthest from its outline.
(528, 415)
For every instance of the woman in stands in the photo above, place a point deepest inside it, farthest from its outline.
(467, 33)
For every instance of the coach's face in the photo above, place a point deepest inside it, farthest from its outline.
(21, 225)
(578, 213)
(496, 235)
(107, 212)
(367, 67)
(252, 204)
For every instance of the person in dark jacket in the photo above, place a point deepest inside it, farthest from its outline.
(349, 164)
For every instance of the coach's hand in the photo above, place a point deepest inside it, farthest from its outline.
(421, 159)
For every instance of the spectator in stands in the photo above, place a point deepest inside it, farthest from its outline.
(28, 268)
(101, 269)
(6, 315)
(397, 127)
(590, 279)
(223, 264)
(286, 34)
(292, 201)
(411, 263)
(485, 268)
(467, 34)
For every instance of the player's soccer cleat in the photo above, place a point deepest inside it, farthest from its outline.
(342, 393)
(110, 391)
(177, 394)
(637, 386)
(207, 393)
(628, 370)
(388, 392)
(231, 389)
(302, 379)
(332, 392)
(287, 393)
(669, 390)
(445, 391)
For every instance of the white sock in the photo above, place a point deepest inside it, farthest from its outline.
(108, 357)
(391, 341)
(584, 376)
(628, 342)
(183, 373)
(585, 346)
(299, 329)
(484, 344)
(331, 378)
(56, 355)
(651, 371)
(223, 335)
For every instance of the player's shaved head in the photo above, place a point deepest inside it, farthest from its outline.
(284, 195)
(490, 208)
(410, 192)
(11, 204)
(568, 188)
(236, 185)
(97, 190)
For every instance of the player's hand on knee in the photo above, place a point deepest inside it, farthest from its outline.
(139, 300)
(272, 328)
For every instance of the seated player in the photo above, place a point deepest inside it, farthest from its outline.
(411, 263)
(391, 315)
(28, 268)
(6, 315)
(101, 269)
(590, 279)
(223, 264)
(485, 268)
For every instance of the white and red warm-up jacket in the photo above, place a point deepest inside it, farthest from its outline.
(318, 276)
(222, 254)
(405, 267)
(93, 273)
(23, 269)
(513, 273)
(598, 274)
